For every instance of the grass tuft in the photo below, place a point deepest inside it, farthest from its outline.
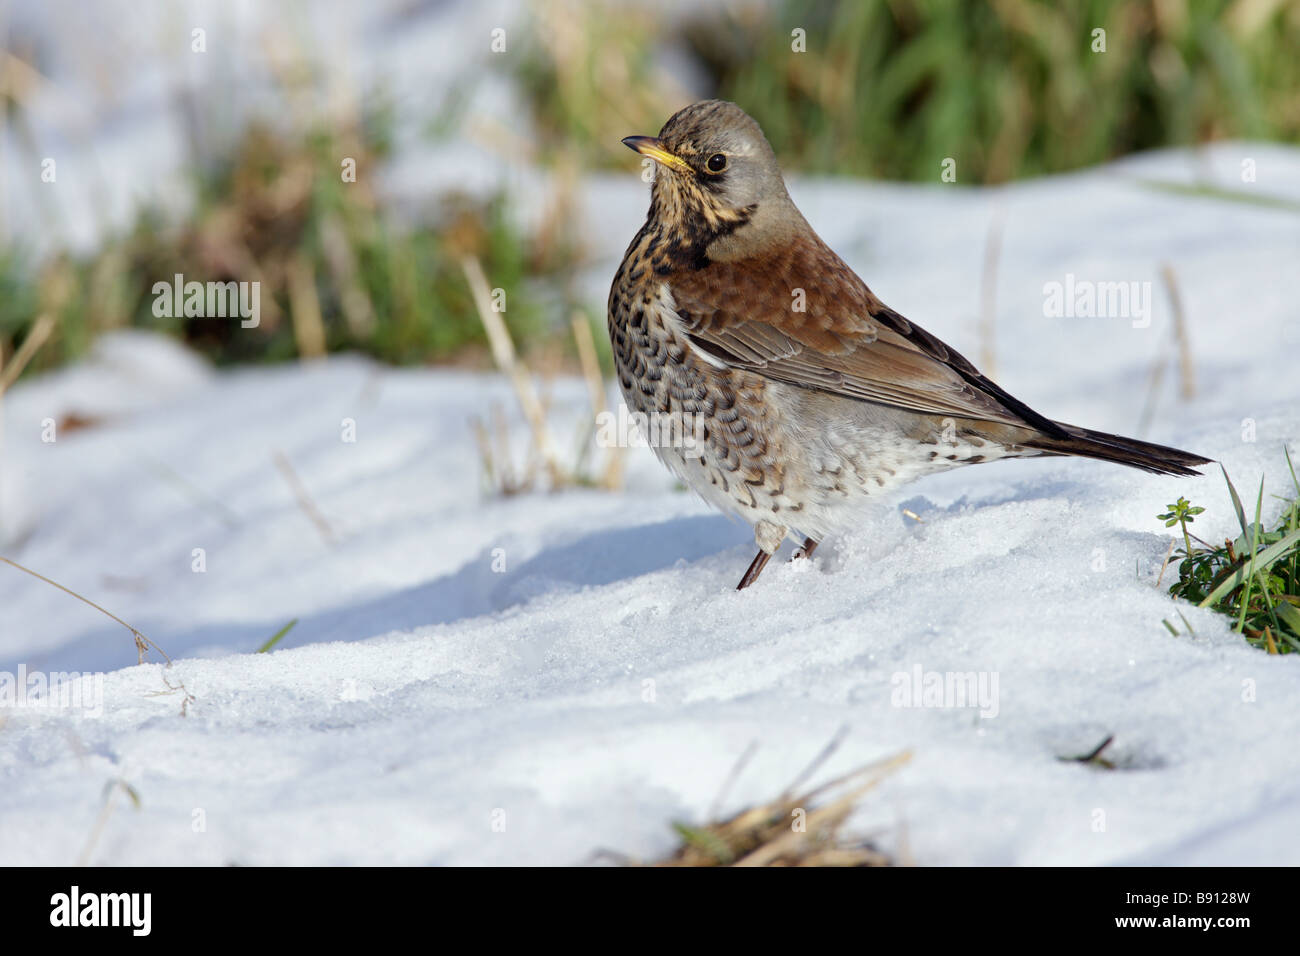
(1254, 578)
(794, 829)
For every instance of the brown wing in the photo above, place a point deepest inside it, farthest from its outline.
(844, 340)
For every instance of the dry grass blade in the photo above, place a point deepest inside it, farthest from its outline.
(1182, 357)
(1168, 554)
(142, 643)
(989, 295)
(304, 309)
(590, 364)
(791, 831)
(358, 309)
(303, 497)
(503, 353)
(486, 458)
(1186, 370)
(111, 791)
(825, 754)
(822, 827)
(736, 770)
(611, 478)
(9, 371)
(200, 496)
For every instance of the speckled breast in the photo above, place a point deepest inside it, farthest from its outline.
(725, 452)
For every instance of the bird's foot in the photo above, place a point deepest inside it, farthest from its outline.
(760, 561)
(804, 552)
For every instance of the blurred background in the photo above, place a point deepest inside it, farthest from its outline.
(209, 139)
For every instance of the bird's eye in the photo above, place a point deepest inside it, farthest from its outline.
(717, 163)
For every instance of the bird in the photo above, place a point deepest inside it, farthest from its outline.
(798, 398)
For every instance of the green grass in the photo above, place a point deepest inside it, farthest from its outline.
(275, 638)
(890, 90)
(1009, 89)
(1254, 578)
(275, 209)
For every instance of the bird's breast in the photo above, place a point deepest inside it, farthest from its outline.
(711, 424)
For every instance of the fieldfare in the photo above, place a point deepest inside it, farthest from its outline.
(798, 395)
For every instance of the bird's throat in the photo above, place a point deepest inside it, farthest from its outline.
(686, 221)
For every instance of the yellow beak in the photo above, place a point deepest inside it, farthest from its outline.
(654, 148)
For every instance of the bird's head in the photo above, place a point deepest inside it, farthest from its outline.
(717, 185)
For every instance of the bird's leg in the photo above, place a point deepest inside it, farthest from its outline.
(809, 546)
(755, 569)
(768, 537)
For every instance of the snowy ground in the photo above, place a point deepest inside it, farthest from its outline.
(424, 696)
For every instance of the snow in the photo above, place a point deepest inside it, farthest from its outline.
(605, 680)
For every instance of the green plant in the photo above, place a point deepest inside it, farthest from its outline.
(1181, 513)
(336, 269)
(1007, 89)
(1254, 578)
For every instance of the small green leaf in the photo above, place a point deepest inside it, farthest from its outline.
(1290, 614)
(705, 841)
(275, 638)
(1236, 501)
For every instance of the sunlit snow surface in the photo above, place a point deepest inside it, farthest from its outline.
(605, 681)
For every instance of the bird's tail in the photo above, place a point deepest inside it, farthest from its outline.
(1146, 455)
